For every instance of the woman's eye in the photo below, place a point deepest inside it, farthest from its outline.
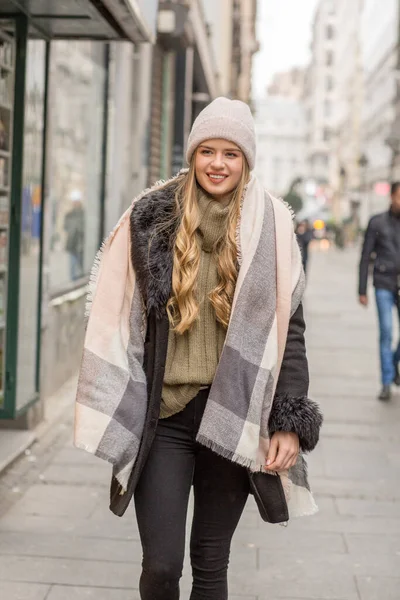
(231, 154)
(206, 152)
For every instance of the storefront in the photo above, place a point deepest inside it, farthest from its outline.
(53, 145)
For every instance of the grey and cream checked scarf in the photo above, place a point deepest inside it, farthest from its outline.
(111, 396)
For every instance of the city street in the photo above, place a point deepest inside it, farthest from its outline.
(58, 540)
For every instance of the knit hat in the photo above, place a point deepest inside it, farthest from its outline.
(228, 120)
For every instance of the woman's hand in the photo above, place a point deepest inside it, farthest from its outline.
(283, 451)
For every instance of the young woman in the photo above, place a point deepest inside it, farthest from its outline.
(194, 370)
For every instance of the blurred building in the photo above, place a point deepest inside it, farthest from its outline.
(345, 173)
(320, 95)
(244, 46)
(281, 142)
(96, 102)
(289, 84)
(380, 38)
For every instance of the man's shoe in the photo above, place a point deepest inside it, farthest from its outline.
(385, 394)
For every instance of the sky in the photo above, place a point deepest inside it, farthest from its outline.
(284, 33)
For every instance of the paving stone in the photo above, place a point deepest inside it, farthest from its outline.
(379, 588)
(74, 456)
(358, 459)
(86, 593)
(303, 577)
(347, 524)
(365, 431)
(346, 408)
(368, 508)
(68, 546)
(91, 474)
(360, 564)
(59, 592)
(372, 544)
(52, 500)
(69, 572)
(23, 591)
(12, 444)
(377, 489)
(287, 540)
(114, 528)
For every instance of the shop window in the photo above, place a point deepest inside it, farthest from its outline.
(31, 207)
(74, 171)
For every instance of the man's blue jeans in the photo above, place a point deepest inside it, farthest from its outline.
(385, 300)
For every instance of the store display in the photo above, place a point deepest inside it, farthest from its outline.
(2, 172)
(3, 249)
(3, 210)
(3, 136)
(2, 299)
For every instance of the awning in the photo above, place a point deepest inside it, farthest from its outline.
(133, 20)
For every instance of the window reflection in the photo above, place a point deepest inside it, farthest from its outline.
(30, 223)
(75, 159)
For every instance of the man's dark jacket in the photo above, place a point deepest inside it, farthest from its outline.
(153, 228)
(383, 239)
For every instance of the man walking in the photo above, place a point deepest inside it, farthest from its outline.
(382, 238)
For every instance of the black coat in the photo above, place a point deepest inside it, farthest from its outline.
(382, 238)
(152, 239)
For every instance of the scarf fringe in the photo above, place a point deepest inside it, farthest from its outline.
(93, 278)
(290, 209)
(231, 456)
(238, 241)
(94, 273)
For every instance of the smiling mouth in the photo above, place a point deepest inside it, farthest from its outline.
(215, 178)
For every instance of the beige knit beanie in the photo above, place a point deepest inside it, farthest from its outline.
(228, 120)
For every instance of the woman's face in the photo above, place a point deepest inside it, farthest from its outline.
(219, 166)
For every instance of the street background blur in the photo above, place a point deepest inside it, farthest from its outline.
(97, 99)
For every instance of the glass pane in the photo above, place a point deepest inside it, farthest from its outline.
(30, 222)
(75, 159)
(7, 61)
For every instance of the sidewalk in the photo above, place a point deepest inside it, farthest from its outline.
(58, 540)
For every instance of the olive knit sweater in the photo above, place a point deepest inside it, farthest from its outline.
(193, 357)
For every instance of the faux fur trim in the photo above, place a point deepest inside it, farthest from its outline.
(299, 415)
(153, 226)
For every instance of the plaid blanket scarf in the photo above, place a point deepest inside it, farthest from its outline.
(112, 397)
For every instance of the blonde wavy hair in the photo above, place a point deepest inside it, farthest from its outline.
(183, 306)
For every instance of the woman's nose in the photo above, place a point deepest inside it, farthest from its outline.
(218, 161)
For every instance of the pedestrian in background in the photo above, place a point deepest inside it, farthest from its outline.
(74, 227)
(382, 239)
(304, 235)
(170, 394)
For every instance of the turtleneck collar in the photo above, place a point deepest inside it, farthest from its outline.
(213, 220)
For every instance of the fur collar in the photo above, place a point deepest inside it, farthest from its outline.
(153, 226)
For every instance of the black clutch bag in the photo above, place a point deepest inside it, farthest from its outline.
(268, 493)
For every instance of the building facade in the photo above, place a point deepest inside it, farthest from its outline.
(320, 95)
(379, 56)
(289, 84)
(281, 143)
(244, 46)
(346, 151)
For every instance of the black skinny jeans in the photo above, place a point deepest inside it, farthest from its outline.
(221, 488)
